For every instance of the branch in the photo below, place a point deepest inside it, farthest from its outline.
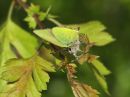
(70, 73)
(25, 7)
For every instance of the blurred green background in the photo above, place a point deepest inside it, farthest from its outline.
(115, 14)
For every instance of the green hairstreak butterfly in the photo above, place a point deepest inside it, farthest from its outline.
(65, 35)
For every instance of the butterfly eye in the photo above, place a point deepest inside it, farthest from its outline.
(75, 48)
(69, 49)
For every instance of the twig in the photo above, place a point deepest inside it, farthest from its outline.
(10, 10)
(70, 73)
(25, 7)
(55, 22)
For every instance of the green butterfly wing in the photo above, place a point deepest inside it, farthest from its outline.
(65, 35)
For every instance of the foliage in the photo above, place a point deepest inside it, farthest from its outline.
(13, 36)
(24, 69)
(95, 32)
(29, 76)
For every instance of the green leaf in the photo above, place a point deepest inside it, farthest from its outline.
(31, 21)
(21, 40)
(34, 10)
(37, 74)
(92, 27)
(47, 66)
(95, 33)
(46, 53)
(100, 67)
(31, 11)
(101, 81)
(31, 89)
(28, 77)
(3, 83)
(44, 15)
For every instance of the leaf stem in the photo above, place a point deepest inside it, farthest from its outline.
(55, 22)
(10, 10)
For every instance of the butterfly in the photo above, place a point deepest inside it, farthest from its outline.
(65, 35)
(60, 36)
